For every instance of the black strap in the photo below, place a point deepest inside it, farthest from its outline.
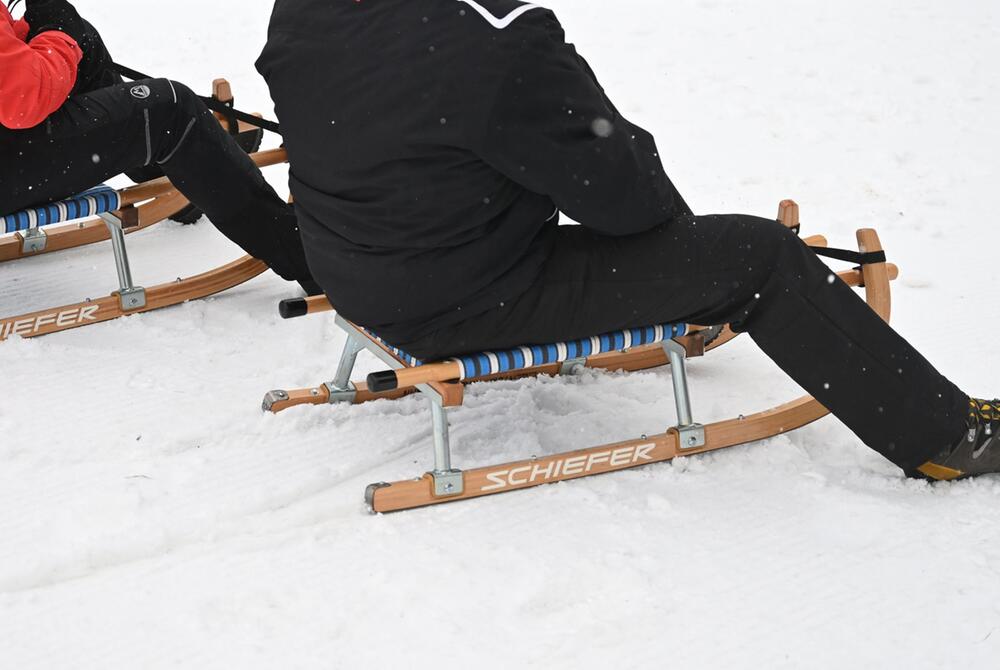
(846, 255)
(849, 256)
(232, 115)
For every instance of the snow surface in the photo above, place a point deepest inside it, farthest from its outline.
(153, 517)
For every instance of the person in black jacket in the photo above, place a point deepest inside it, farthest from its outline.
(433, 146)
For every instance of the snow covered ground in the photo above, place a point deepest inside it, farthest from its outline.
(151, 516)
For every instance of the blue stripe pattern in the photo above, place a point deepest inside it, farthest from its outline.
(496, 362)
(89, 203)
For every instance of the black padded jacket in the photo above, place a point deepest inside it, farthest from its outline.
(433, 144)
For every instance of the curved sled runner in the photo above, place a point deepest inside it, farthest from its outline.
(118, 212)
(635, 349)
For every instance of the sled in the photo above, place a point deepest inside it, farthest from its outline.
(443, 383)
(24, 238)
(114, 215)
(118, 212)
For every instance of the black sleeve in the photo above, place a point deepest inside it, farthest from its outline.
(552, 129)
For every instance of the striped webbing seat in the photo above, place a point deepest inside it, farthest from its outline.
(92, 202)
(518, 358)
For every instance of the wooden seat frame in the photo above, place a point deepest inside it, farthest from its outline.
(439, 382)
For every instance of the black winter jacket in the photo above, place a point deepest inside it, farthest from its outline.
(432, 145)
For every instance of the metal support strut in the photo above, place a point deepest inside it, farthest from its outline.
(447, 482)
(341, 389)
(129, 296)
(691, 434)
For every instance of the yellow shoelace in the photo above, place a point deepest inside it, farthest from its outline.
(983, 412)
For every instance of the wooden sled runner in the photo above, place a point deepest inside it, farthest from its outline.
(113, 215)
(636, 349)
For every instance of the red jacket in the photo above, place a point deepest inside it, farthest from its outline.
(35, 77)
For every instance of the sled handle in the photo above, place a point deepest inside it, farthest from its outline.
(293, 308)
(379, 382)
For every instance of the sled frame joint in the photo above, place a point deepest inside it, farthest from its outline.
(33, 240)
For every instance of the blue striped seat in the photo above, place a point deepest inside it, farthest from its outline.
(495, 362)
(89, 203)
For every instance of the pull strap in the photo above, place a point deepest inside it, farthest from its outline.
(869, 258)
(213, 104)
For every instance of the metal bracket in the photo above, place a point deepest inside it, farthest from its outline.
(33, 240)
(337, 395)
(573, 366)
(132, 298)
(272, 397)
(448, 483)
(691, 436)
(370, 494)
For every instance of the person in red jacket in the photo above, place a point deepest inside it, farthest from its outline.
(51, 57)
(68, 122)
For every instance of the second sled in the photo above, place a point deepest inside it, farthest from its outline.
(103, 213)
(119, 212)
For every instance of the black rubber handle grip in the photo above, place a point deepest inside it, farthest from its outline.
(293, 308)
(379, 382)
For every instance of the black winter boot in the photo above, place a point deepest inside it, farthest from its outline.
(977, 452)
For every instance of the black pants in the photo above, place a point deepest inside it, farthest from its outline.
(145, 127)
(757, 275)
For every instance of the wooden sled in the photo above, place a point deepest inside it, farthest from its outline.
(120, 212)
(443, 383)
(144, 205)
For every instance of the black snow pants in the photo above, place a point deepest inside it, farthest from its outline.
(757, 275)
(147, 127)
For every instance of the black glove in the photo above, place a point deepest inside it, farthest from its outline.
(44, 15)
(97, 69)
